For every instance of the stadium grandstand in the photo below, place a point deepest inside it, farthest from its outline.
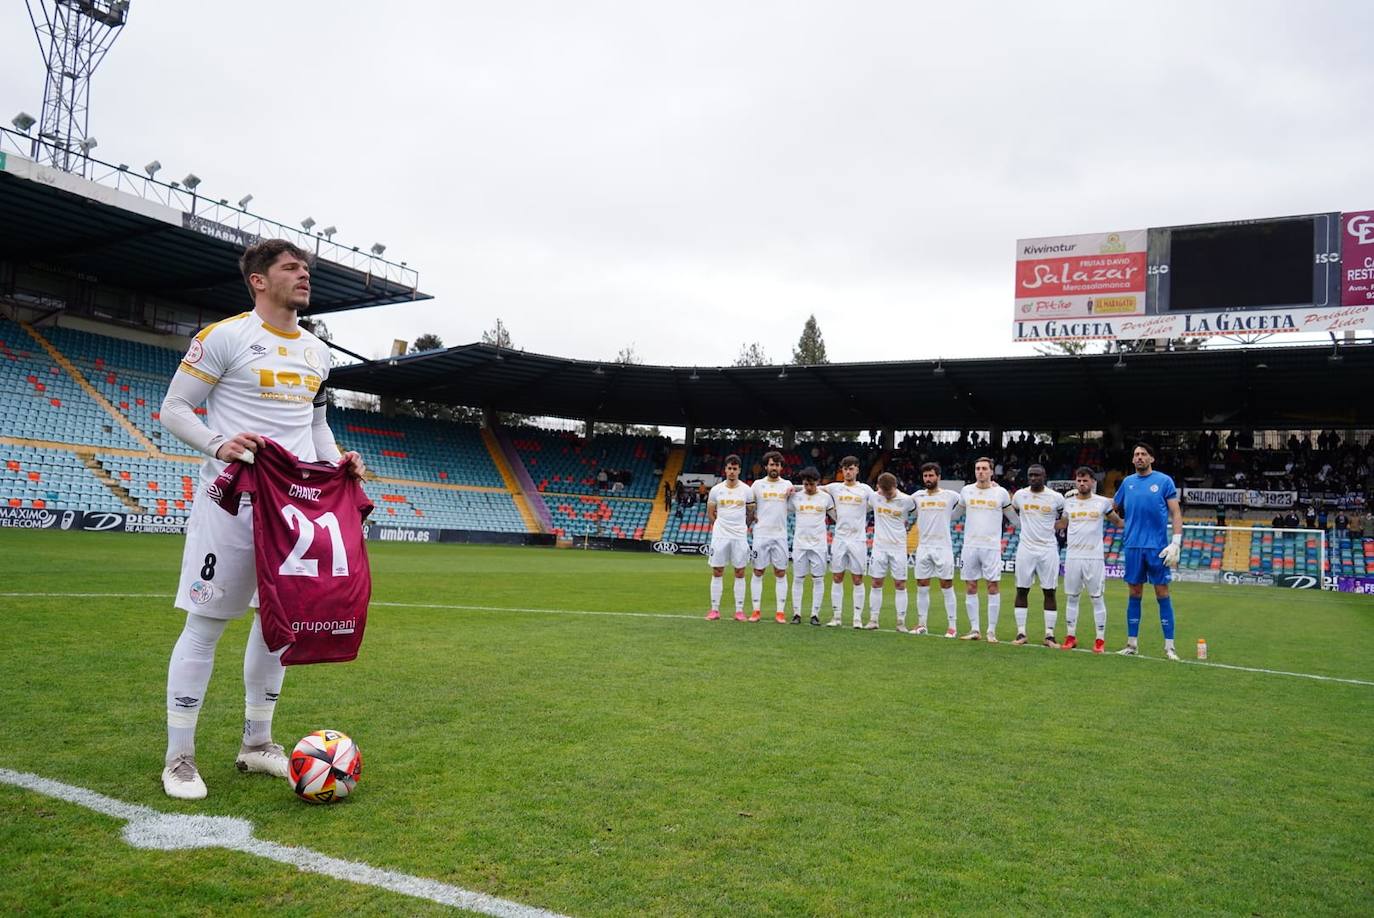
(95, 315)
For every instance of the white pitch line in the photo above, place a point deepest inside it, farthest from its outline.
(694, 617)
(154, 829)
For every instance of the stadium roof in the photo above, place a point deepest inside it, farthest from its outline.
(1275, 387)
(59, 221)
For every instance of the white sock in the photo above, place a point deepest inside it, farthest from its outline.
(875, 602)
(756, 590)
(994, 610)
(263, 673)
(717, 588)
(780, 591)
(1051, 619)
(1020, 612)
(922, 604)
(971, 604)
(817, 591)
(188, 676)
(951, 606)
(859, 603)
(1100, 615)
(798, 584)
(1071, 613)
(899, 597)
(836, 599)
(739, 594)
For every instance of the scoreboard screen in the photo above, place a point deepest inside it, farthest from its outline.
(1248, 265)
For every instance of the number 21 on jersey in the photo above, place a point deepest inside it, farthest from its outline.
(296, 564)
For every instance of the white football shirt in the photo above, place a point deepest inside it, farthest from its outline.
(770, 505)
(983, 515)
(265, 381)
(851, 508)
(1038, 514)
(1086, 516)
(889, 521)
(809, 531)
(730, 504)
(933, 515)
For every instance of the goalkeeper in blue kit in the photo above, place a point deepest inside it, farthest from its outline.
(1149, 502)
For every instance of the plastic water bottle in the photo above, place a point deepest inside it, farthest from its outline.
(1202, 648)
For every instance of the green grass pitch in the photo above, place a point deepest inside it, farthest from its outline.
(618, 764)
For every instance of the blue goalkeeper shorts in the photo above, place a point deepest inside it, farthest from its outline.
(1145, 565)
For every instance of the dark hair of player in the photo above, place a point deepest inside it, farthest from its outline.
(847, 461)
(887, 480)
(810, 474)
(991, 465)
(1035, 466)
(731, 459)
(258, 257)
(1141, 444)
(931, 467)
(1084, 470)
(771, 455)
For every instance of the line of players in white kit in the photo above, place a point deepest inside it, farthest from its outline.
(733, 507)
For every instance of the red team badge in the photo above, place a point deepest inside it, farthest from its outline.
(313, 580)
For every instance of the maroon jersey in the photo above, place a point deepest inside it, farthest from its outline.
(308, 544)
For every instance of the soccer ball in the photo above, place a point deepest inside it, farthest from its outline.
(325, 767)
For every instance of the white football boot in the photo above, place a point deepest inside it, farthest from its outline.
(265, 759)
(181, 781)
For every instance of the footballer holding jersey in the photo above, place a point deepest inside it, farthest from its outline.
(260, 375)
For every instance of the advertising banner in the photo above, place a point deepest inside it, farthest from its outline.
(1362, 585)
(1239, 497)
(1066, 278)
(400, 534)
(1357, 259)
(668, 547)
(1303, 319)
(1297, 581)
(33, 518)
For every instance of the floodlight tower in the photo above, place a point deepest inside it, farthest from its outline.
(73, 36)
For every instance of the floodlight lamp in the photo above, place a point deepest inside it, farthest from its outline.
(23, 121)
(123, 167)
(307, 223)
(328, 232)
(191, 181)
(176, 184)
(378, 248)
(244, 201)
(152, 168)
(87, 145)
(224, 201)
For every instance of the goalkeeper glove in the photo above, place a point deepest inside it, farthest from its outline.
(1170, 552)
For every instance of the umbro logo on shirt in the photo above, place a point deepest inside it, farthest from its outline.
(258, 349)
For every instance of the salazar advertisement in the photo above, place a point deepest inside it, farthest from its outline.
(1061, 278)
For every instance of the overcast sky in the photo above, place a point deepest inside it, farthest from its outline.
(688, 178)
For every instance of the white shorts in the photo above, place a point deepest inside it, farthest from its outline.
(729, 553)
(884, 562)
(770, 552)
(981, 564)
(808, 562)
(1043, 565)
(219, 578)
(849, 556)
(1081, 574)
(934, 561)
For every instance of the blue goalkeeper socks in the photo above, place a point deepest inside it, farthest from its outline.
(1166, 616)
(1133, 617)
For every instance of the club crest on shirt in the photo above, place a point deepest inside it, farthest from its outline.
(202, 592)
(195, 351)
(1154, 489)
(312, 358)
